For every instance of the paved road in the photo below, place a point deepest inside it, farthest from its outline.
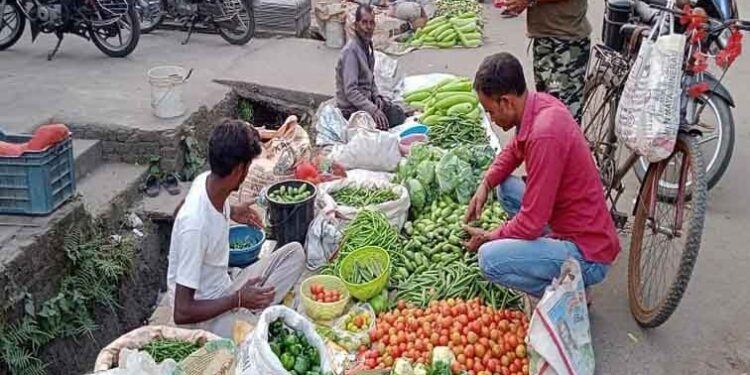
(709, 333)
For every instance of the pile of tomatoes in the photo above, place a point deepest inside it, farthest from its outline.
(321, 294)
(484, 340)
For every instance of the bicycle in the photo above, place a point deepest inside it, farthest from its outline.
(669, 209)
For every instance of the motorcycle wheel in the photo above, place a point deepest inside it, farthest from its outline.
(717, 146)
(246, 19)
(150, 15)
(101, 35)
(13, 24)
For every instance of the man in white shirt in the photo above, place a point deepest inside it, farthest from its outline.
(201, 290)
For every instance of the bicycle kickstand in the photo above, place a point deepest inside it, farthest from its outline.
(193, 21)
(57, 46)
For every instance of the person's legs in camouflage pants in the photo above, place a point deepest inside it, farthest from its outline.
(560, 70)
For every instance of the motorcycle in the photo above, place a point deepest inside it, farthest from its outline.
(233, 19)
(112, 25)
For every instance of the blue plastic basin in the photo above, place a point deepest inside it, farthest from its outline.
(248, 255)
(416, 129)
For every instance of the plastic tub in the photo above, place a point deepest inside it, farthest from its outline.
(372, 288)
(288, 222)
(322, 310)
(407, 142)
(416, 129)
(247, 255)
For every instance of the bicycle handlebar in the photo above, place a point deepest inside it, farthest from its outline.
(738, 23)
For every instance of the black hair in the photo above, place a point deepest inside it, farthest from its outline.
(500, 74)
(232, 143)
(361, 9)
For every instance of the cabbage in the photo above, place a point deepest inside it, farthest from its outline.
(417, 194)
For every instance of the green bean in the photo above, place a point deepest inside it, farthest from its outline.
(162, 349)
(363, 196)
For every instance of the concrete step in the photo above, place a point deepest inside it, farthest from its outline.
(111, 186)
(87, 154)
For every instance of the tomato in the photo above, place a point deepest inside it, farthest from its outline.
(472, 315)
(412, 353)
(521, 350)
(461, 358)
(400, 326)
(465, 330)
(513, 340)
(504, 370)
(463, 319)
(401, 304)
(469, 351)
(486, 320)
(494, 334)
(480, 350)
(518, 363)
(525, 369)
(402, 339)
(402, 347)
(390, 318)
(478, 366)
(502, 326)
(370, 363)
(457, 349)
(504, 360)
(443, 341)
(513, 368)
(497, 350)
(447, 322)
(485, 332)
(392, 351)
(484, 341)
(456, 338)
(435, 338)
(493, 366)
(475, 326)
(419, 345)
(456, 368)
(392, 331)
(469, 363)
(472, 337)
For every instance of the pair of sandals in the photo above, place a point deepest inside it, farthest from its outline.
(153, 185)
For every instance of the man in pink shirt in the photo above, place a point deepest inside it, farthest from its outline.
(559, 211)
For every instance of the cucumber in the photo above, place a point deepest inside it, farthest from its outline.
(445, 35)
(439, 30)
(464, 86)
(450, 43)
(460, 109)
(417, 96)
(473, 36)
(469, 28)
(467, 15)
(456, 99)
(475, 113)
(430, 120)
(436, 20)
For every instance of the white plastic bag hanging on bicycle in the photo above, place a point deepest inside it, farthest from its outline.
(648, 116)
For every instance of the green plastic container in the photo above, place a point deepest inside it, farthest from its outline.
(364, 292)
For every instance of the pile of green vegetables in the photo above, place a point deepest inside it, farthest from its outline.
(364, 272)
(288, 194)
(177, 350)
(451, 8)
(451, 111)
(363, 196)
(436, 265)
(430, 172)
(462, 30)
(369, 228)
(293, 350)
(241, 244)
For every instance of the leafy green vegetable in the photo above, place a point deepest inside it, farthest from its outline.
(417, 193)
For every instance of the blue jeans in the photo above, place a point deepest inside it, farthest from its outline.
(530, 266)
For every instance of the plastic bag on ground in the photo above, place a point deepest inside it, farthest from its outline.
(330, 125)
(396, 210)
(255, 355)
(323, 237)
(368, 148)
(559, 337)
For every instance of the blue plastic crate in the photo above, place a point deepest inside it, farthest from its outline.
(36, 183)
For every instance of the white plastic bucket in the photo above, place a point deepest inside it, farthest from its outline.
(166, 90)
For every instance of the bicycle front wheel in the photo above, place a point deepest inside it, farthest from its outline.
(666, 234)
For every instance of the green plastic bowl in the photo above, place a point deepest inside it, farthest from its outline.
(364, 292)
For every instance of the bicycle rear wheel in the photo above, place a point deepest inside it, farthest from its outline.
(666, 234)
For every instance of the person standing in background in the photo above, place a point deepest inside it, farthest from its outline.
(560, 34)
